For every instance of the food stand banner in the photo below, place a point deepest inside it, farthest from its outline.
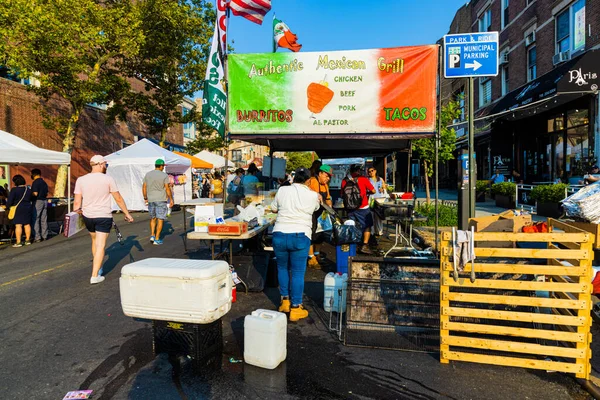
(359, 91)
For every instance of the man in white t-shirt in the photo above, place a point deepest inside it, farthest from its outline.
(92, 199)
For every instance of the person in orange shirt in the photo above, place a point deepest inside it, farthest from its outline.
(319, 183)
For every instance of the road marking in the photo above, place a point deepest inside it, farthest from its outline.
(34, 275)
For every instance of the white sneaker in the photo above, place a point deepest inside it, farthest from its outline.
(96, 279)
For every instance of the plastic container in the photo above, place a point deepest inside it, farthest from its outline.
(334, 282)
(342, 252)
(193, 291)
(265, 338)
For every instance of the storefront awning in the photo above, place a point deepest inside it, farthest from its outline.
(576, 77)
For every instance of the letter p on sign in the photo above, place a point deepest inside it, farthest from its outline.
(454, 61)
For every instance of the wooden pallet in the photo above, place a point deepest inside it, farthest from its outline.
(505, 317)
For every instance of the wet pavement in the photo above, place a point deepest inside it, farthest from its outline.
(59, 333)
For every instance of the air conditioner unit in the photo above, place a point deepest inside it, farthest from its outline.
(530, 39)
(561, 57)
(504, 58)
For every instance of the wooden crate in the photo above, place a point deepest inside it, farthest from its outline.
(587, 227)
(522, 326)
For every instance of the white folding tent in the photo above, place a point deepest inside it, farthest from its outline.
(216, 160)
(17, 151)
(129, 166)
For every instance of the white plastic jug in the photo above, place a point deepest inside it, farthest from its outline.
(265, 338)
(334, 282)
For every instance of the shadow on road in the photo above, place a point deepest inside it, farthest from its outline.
(132, 356)
(117, 252)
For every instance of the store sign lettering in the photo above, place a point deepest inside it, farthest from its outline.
(581, 78)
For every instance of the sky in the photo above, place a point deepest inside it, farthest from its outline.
(325, 25)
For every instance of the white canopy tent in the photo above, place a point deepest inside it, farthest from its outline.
(216, 160)
(129, 166)
(15, 151)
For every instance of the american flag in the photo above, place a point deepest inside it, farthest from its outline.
(252, 10)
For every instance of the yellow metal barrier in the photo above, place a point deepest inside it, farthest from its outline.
(528, 307)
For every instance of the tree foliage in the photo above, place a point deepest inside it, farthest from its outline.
(89, 51)
(426, 147)
(171, 62)
(75, 49)
(296, 160)
(206, 139)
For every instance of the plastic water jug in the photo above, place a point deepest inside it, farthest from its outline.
(334, 282)
(265, 338)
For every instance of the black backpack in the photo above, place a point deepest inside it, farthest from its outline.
(351, 195)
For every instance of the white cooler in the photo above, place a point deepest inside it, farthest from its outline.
(193, 291)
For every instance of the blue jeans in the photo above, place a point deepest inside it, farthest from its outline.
(291, 250)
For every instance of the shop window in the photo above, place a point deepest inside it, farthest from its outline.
(485, 91)
(577, 118)
(505, 80)
(505, 15)
(485, 21)
(577, 151)
(531, 63)
(570, 31)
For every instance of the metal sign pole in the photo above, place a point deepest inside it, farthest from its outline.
(470, 161)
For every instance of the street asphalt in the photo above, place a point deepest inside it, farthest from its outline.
(59, 333)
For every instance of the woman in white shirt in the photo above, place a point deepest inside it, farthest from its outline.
(294, 206)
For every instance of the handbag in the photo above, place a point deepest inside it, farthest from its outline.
(13, 209)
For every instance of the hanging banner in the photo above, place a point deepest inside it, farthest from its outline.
(214, 98)
(359, 91)
(222, 23)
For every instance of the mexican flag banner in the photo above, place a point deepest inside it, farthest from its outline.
(214, 99)
(283, 37)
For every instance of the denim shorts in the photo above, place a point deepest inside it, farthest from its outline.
(362, 217)
(158, 209)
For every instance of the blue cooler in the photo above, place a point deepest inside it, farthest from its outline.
(342, 253)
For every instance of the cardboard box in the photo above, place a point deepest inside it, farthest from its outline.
(228, 229)
(73, 223)
(588, 227)
(504, 222)
(206, 214)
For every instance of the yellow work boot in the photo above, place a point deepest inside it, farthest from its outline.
(297, 313)
(285, 306)
(313, 262)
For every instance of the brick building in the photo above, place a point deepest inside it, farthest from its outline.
(20, 115)
(538, 116)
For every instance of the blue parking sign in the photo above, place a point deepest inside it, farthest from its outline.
(471, 55)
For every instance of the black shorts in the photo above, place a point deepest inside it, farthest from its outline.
(103, 225)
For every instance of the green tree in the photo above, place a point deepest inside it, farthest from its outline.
(296, 160)
(206, 139)
(75, 49)
(171, 62)
(426, 147)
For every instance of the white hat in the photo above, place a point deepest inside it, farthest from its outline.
(97, 159)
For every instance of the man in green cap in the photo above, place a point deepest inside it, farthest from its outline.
(157, 192)
(319, 183)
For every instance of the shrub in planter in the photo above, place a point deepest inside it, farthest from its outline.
(548, 198)
(481, 188)
(447, 216)
(505, 194)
